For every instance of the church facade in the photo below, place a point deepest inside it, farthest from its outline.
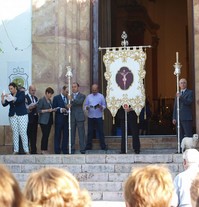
(69, 32)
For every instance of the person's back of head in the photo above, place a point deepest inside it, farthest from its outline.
(194, 192)
(10, 193)
(190, 157)
(150, 186)
(52, 187)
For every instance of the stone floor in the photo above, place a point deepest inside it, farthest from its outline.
(130, 151)
(108, 204)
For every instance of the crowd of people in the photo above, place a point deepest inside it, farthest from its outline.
(153, 186)
(150, 186)
(47, 187)
(27, 111)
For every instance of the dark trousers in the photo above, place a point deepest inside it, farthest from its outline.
(32, 134)
(98, 123)
(185, 129)
(61, 137)
(45, 128)
(81, 133)
(133, 128)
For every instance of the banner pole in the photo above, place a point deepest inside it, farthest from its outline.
(126, 132)
(177, 72)
(69, 76)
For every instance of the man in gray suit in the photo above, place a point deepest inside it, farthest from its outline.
(77, 118)
(185, 110)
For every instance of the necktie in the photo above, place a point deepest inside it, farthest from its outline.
(32, 97)
(64, 99)
(74, 95)
(182, 92)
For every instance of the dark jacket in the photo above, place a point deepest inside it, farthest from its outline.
(58, 102)
(17, 107)
(33, 112)
(185, 106)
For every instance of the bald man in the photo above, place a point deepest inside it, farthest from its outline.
(31, 102)
(95, 105)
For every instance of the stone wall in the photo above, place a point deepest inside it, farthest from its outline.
(60, 33)
(60, 37)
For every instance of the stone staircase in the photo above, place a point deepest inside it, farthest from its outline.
(148, 143)
(102, 175)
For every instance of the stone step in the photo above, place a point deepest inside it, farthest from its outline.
(114, 143)
(103, 175)
(147, 142)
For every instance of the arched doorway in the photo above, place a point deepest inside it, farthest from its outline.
(165, 25)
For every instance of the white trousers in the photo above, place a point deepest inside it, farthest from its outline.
(19, 125)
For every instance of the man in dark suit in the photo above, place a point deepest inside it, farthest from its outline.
(77, 118)
(185, 110)
(61, 122)
(132, 126)
(31, 103)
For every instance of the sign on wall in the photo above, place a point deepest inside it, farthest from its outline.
(15, 42)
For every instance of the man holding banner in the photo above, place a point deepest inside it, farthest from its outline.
(132, 126)
(125, 74)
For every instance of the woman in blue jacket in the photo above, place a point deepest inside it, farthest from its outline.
(18, 116)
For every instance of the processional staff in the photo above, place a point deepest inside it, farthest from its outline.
(125, 43)
(69, 75)
(177, 72)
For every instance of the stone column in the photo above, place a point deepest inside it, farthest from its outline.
(60, 29)
(196, 52)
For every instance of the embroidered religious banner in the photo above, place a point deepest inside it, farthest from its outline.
(125, 74)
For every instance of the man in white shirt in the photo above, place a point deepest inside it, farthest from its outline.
(183, 180)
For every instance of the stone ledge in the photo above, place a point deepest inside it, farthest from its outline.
(113, 196)
(102, 186)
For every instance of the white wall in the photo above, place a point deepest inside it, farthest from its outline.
(15, 41)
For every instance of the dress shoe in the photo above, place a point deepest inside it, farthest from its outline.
(137, 151)
(178, 152)
(15, 153)
(121, 152)
(105, 148)
(27, 153)
(88, 148)
(82, 151)
(44, 152)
